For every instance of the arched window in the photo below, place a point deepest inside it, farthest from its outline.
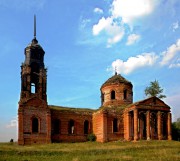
(71, 127)
(115, 125)
(33, 90)
(113, 94)
(102, 98)
(35, 125)
(86, 127)
(34, 77)
(125, 94)
(56, 126)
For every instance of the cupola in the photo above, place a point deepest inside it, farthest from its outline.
(116, 91)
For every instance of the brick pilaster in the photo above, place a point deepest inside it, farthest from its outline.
(148, 124)
(169, 126)
(135, 124)
(159, 125)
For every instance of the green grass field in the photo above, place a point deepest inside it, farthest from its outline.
(93, 151)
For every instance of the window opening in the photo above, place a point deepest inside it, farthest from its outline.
(71, 127)
(102, 98)
(113, 95)
(56, 126)
(115, 125)
(86, 126)
(33, 89)
(35, 125)
(125, 94)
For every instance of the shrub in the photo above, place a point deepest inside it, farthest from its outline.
(11, 141)
(91, 137)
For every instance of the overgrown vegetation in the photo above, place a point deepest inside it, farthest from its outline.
(154, 89)
(176, 130)
(93, 151)
(91, 137)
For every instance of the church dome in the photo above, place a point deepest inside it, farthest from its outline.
(34, 44)
(116, 79)
(116, 91)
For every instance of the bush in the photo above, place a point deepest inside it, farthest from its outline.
(175, 132)
(91, 137)
(11, 141)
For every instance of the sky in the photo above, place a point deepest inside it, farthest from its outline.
(84, 42)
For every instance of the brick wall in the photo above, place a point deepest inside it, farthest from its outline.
(119, 92)
(64, 117)
(26, 113)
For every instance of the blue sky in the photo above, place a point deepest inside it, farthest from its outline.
(84, 41)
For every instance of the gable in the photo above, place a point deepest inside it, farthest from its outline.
(36, 102)
(152, 102)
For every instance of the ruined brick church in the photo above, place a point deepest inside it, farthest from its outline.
(118, 118)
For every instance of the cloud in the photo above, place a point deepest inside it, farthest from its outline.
(134, 63)
(170, 54)
(98, 10)
(129, 10)
(116, 38)
(175, 26)
(174, 103)
(113, 30)
(13, 123)
(132, 39)
(102, 24)
(121, 16)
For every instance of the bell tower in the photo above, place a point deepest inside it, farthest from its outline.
(34, 117)
(33, 71)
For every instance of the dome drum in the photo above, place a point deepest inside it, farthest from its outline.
(116, 91)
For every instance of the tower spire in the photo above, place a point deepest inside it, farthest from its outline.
(34, 41)
(34, 26)
(115, 70)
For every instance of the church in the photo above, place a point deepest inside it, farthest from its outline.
(118, 118)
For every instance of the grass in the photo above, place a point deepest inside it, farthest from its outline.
(93, 151)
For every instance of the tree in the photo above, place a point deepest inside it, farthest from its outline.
(176, 130)
(154, 90)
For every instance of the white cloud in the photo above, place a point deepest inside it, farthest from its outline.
(175, 26)
(129, 10)
(112, 28)
(98, 10)
(132, 39)
(170, 53)
(13, 123)
(102, 24)
(116, 38)
(133, 63)
(121, 12)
